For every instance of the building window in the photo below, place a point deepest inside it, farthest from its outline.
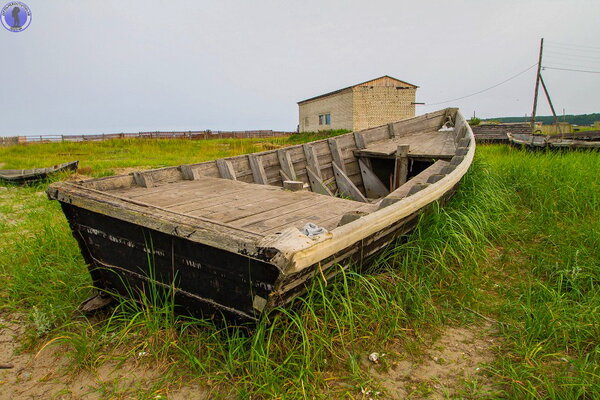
(325, 119)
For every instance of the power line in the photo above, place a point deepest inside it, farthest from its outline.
(563, 64)
(484, 90)
(554, 53)
(559, 44)
(574, 70)
(564, 48)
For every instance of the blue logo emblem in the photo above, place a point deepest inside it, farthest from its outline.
(15, 16)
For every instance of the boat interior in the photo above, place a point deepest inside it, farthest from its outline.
(327, 183)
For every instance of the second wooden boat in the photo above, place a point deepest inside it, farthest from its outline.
(577, 140)
(242, 235)
(35, 174)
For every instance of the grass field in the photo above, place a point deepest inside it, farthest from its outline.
(517, 247)
(104, 158)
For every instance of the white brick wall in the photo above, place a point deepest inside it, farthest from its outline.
(374, 103)
(378, 105)
(338, 105)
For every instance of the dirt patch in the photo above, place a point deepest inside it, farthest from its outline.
(45, 376)
(452, 366)
(2, 164)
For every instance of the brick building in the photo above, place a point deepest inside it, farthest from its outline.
(365, 105)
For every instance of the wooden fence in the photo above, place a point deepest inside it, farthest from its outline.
(194, 135)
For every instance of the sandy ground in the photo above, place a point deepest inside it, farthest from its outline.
(45, 376)
(451, 367)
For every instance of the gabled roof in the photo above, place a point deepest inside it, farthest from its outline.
(358, 84)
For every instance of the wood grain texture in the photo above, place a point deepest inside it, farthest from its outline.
(336, 154)
(374, 188)
(312, 160)
(316, 183)
(258, 171)
(346, 186)
(285, 163)
(404, 190)
(226, 169)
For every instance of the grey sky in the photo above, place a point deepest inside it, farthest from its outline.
(128, 66)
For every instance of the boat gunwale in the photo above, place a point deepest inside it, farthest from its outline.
(32, 173)
(292, 255)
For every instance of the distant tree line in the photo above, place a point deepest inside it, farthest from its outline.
(581, 119)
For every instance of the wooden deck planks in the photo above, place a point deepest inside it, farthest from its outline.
(258, 208)
(422, 145)
(252, 205)
(327, 210)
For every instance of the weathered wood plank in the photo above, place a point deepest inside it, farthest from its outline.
(259, 219)
(359, 139)
(144, 179)
(312, 161)
(258, 172)
(226, 169)
(351, 216)
(336, 154)
(456, 160)
(189, 173)
(294, 186)
(391, 130)
(373, 186)
(316, 184)
(376, 134)
(417, 188)
(401, 166)
(284, 176)
(257, 206)
(285, 162)
(430, 144)
(404, 190)
(346, 186)
(334, 206)
(198, 200)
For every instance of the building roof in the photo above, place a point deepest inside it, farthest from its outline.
(358, 84)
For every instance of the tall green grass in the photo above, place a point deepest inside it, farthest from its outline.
(549, 271)
(103, 157)
(517, 243)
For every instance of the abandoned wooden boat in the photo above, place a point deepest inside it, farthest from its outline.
(576, 140)
(233, 236)
(35, 174)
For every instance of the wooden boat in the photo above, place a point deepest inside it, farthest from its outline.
(35, 174)
(576, 140)
(231, 235)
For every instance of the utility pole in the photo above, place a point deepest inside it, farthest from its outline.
(537, 85)
(551, 106)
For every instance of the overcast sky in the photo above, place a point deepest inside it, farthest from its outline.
(129, 66)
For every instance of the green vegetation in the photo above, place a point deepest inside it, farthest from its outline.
(518, 244)
(105, 158)
(581, 119)
(474, 121)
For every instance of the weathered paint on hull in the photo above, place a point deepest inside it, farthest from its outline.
(209, 281)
